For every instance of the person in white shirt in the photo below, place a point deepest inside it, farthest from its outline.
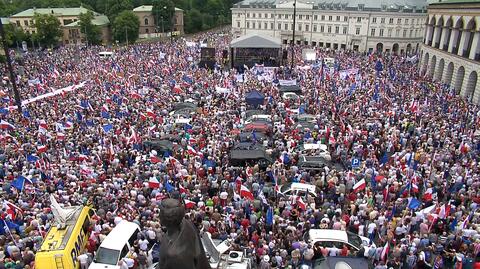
(83, 259)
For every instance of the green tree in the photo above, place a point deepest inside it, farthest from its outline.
(48, 29)
(91, 31)
(126, 26)
(14, 35)
(163, 10)
(193, 21)
(114, 7)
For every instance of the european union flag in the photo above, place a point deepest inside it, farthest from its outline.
(19, 183)
(269, 218)
(414, 204)
(8, 225)
(105, 115)
(107, 128)
(90, 123)
(26, 114)
(4, 111)
(168, 187)
(384, 159)
(32, 158)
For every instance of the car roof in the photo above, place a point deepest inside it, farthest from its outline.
(296, 186)
(120, 234)
(327, 235)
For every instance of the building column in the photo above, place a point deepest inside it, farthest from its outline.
(475, 46)
(428, 34)
(444, 37)
(436, 32)
(453, 39)
(463, 36)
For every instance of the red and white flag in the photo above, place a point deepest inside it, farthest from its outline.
(189, 204)
(6, 126)
(191, 150)
(42, 149)
(360, 185)
(301, 204)
(246, 193)
(385, 250)
(150, 113)
(12, 209)
(153, 183)
(182, 189)
(155, 159)
(427, 196)
(60, 136)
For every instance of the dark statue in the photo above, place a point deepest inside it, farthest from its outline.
(180, 244)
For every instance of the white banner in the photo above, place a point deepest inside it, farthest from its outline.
(290, 82)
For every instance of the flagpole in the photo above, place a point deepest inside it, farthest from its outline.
(10, 233)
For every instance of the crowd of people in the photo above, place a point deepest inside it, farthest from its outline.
(413, 191)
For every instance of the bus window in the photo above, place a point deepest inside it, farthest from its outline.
(91, 212)
(124, 252)
(86, 225)
(132, 238)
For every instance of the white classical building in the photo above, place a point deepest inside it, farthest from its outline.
(363, 25)
(451, 49)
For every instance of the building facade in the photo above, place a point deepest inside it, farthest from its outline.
(148, 26)
(451, 49)
(362, 26)
(68, 18)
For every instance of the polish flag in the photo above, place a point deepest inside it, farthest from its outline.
(12, 209)
(68, 125)
(150, 113)
(360, 185)
(182, 189)
(192, 141)
(105, 108)
(427, 196)
(385, 251)
(331, 140)
(5, 125)
(444, 211)
(135, 95)
(83, 157)
(155, 159)
(60, 136)
(153, 183)
(191, 150)
(189, 204)
(301, 204)
(249, 171)
(42, 149)
(43, 124)
(246, 193)
(414, 106)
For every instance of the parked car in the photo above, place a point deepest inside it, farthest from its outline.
(297, 189)
(316, 149)
(330, 238)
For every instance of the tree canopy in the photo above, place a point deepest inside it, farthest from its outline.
(125, 27)
(48, 29)
(91, 31)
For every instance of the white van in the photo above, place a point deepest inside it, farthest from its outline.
(115, 246)
(298, 189)
(330, 238)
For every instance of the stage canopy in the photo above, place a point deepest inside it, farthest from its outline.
(256, 41)
(254, 98)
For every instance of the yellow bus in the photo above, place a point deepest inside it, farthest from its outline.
(65, 242)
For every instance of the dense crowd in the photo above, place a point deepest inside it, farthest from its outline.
(416, 140)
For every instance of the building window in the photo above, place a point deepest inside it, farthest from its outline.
(279, 26)
(272, 26)
(307, 17)
(390, 21)
(315, 17)
(372, 32)
(307, 27)
(238, 24)
(300, 17)
(253, 25)
(299, 27)
(286, 26)
(265, 26)
(271, 15)
(338, 18)
(381, 32)
(238, 15)
(404, 33)
(382, 20)
(399, 21)
(18, 23)
(25, 22)
(146, 30)
(344, 30)
(329, 29)
(359, 19)
(322, 28)
(345, 18)
(406, 21)
(291, 26)
(397, 33)
(253, 15)
(279, 16)
(248, 15)
(146, 21)
(357, 31)
(411, 33)
(323, 17)
(329, 18)
(374, 20)
(248, 24)
(389, 32)
(314, 27)
(337, 29)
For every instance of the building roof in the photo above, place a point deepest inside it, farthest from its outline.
(99, 20)
(349, 5)
(5, 20)
(437, 2)
(148, 8)
(256, 41)
(72, 11)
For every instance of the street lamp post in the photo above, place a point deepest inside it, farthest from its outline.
(126, 35)
(293, 32)
(18, 100)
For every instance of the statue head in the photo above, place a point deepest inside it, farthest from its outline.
(172, 213)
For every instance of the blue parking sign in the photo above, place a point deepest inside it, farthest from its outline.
(355, 163)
